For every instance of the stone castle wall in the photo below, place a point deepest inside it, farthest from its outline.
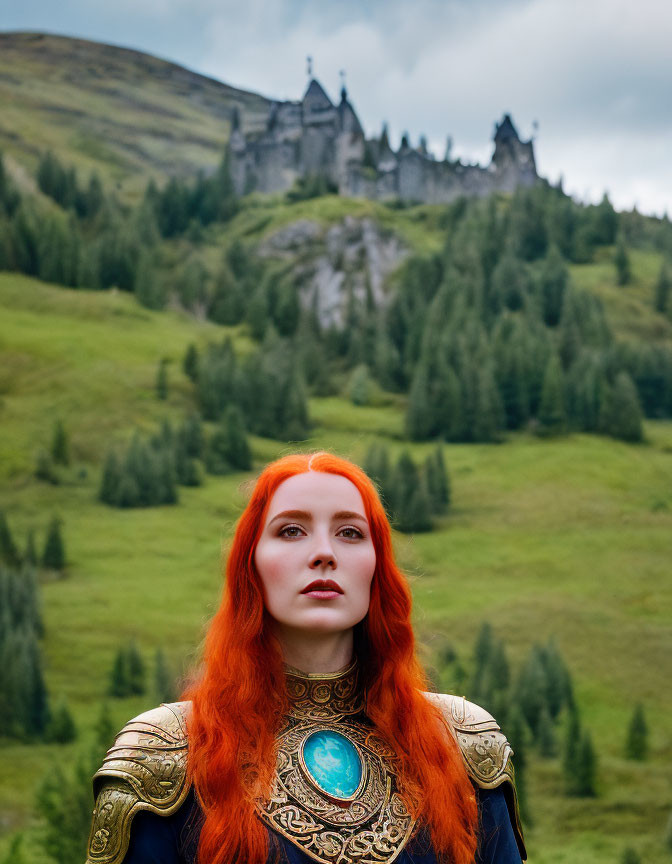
(314, 137)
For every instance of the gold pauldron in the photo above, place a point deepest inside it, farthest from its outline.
(145, 769)
(485, 751)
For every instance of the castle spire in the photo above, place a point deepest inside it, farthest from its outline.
(344, 92)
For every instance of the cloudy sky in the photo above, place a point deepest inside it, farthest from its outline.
(590, 79)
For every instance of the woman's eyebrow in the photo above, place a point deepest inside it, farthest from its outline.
(349, 514)
(307, 517)
(292, 514)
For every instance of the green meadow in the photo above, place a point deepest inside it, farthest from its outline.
(569, 538)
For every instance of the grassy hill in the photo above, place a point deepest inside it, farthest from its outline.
(566, 538)
(123, 113)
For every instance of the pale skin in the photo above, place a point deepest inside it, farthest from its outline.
(316, 531)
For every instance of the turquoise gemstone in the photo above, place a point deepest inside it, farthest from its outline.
(333, 763)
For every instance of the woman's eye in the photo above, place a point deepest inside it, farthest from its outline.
(351, 533)
(291, 531)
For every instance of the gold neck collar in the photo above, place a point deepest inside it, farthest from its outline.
(324, 696)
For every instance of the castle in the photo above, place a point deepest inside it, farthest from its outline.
(314, 138)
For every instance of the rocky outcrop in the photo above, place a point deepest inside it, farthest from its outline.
(353, 257)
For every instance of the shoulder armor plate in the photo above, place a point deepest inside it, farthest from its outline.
(145, 769)
(485, 751)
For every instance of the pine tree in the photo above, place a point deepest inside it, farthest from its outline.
(192, 435)
(447, 397)
(287, 308)
(190, 362)
(403, 481)
(482, 651)
(552, 418)
(359, 387)
(9, 554)
(620, 411)
(622, 262)
(217, 452)
(661, 302)
(30, 555)
(45, 469)
(61, 728)
(630, 856)
(60, 449)
(37, 700)
(227, 304)
(162, 379)
(419, 415)
(571, 748)
(553, 284)
(166, 479)
(377, 466)
(545, 734)
(257, 315)
(94, 195)
(604, 221)
(531, 688)
(110, 481)
(489, 412)
(186, 469)
(294, 419)
(239, 455)
(558, 684)
(438, 481)
(146, 285)
(586, 765)
(53, 556)
(191, 285)
(119, 685)
(135, 669)
(164, 684)
(636, 745)
(415, 515)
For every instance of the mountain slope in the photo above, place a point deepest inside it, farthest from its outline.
(124, 113)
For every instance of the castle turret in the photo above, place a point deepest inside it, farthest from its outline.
(315, 100)
(513, 160)
(348, 119)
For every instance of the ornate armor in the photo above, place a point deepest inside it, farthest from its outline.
(335, 793)
(485, 750)
(145, 769)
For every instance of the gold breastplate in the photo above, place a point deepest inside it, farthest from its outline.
(335, 794)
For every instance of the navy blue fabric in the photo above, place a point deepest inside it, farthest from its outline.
(174, 839)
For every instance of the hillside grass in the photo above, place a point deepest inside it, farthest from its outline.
(127, 115)
(629, 308)
(569, 538)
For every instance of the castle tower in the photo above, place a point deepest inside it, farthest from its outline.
(513, 159)
(319, 120)
(350, 143)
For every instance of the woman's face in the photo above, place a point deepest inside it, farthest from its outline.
(315, 556)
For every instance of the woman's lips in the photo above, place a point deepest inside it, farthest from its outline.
(323, 589)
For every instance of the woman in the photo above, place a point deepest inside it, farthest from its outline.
(308, 736)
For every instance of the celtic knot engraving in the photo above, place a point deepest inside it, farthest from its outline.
(370, 829)
(324, 698)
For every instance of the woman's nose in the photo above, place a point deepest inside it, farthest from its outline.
(322, 554)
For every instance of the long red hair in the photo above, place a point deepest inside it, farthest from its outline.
(239, 699)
